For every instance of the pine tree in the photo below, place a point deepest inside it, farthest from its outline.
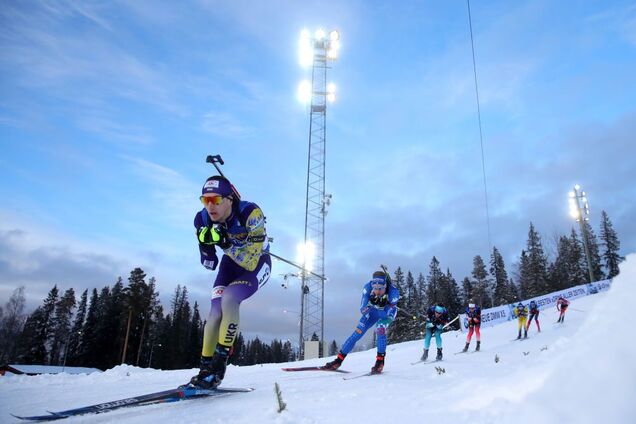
(12, 320)
(400, 325)
(333, 348)
(498, 271)
(61, 327)
(481, 283)
(31, 349)
(45, 331)
(558, 271)
(196, 338)
(135, 307)
(611, 255)
(534, 272)
(593, 249)
(467, 291)
(75, 339)
(433, 281)
(410, 302)
(577, 265)
(450, 295)
(86, 350)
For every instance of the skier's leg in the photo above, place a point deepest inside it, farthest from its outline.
(438, 338)
(427, 338)
(477, 334)
(367, 320)
(241, 288)
(211, 329)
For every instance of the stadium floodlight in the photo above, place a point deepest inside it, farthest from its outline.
(306, 254)
(304, 92)
(320, 34)
(334, 36)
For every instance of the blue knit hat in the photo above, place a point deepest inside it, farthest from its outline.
(439, 309)
(218, 185)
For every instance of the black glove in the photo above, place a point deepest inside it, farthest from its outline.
(224, 240)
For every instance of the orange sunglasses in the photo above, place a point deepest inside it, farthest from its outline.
(215, 200)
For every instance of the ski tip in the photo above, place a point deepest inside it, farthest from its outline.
(52, 417)
(234, 389)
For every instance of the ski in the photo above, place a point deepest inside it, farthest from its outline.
(432, 361)
(317, 368)
(361, 375)
(461, 351)
(173, 395)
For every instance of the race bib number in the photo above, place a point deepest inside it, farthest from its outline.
(263, 275)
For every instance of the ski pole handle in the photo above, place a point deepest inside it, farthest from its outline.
(213, 160)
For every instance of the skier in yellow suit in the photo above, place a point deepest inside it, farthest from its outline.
(521, 312)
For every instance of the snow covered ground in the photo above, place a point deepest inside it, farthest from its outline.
(583, 371)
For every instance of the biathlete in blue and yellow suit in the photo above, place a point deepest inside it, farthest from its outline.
(521, 312)
(378, 305)
(436, 319)
(238, 229)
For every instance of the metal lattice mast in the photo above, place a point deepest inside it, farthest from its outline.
(312, 294)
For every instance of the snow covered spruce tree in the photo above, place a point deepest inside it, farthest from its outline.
(611, 255)
(400, 325)
(593, 248)
(533, 268)
(481, 283)
(502, 293)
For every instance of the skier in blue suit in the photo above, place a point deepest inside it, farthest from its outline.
(436, 319)
(378, 306)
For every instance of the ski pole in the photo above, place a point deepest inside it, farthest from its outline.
(287, 261)
(409, 313)
(577, 310)
(450, 322)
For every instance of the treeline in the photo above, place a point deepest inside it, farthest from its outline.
(118, 324)
(490, 284)
(127, 323)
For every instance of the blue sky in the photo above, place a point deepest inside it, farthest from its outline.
(108, 110)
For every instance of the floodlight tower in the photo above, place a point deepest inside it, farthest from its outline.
(316, 51)
(580, 213)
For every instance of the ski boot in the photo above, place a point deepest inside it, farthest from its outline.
(478, 346)
(519, 336)
(335, 364)
(424, 355)
(525, 334)
(439, 354)
(212, 369)
(465, 349)
(379, 364)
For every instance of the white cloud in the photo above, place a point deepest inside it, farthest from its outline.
(225, 125)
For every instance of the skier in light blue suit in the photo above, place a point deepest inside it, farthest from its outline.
(378, 307)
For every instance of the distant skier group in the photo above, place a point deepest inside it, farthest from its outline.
(237, 227)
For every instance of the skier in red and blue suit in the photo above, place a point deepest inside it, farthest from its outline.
(473, 318)
(534, 313)
(378, 305)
